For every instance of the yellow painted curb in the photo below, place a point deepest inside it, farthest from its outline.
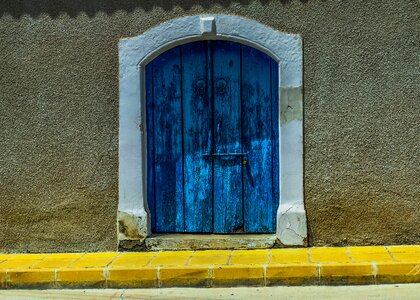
(292, 274)
(240, 275)
(30, 278)
(2, 279)
(352, 273)
(407, 272)
(184, 276)
(353, 265)
(144, 277)
(81, 277)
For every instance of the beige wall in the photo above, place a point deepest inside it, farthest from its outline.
(59, 116)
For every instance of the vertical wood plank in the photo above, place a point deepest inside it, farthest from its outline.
(227, 137)
(275, 138)
(257, 134)
(197, 138)
(150, 145)
(168, 142)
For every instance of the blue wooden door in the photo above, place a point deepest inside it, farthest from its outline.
(212, 139)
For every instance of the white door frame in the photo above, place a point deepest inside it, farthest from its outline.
(134, 53)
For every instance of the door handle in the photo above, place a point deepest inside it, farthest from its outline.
(226, 154)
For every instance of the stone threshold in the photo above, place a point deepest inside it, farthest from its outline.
(165, 242)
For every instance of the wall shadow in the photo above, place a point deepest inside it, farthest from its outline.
(53, 8)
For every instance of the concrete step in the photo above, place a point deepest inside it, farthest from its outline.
(165, 242)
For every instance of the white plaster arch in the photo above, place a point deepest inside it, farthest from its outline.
(136, 52)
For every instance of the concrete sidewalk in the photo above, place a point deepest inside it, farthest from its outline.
(213, 268)
(384, 292)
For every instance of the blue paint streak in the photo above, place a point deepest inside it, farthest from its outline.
(257, 140)
(168, 142)
(227, 130)
(197, 119)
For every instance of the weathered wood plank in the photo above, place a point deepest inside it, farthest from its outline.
(257, 134)
(197, 116)
(150, 145)
(227, 137)
(168, 142)
(275, 139)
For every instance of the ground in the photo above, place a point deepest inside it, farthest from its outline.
(394, 291)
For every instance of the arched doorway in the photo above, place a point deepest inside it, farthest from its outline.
(134, 214)
(212, 130)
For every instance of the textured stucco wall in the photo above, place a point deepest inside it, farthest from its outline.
(59, 116)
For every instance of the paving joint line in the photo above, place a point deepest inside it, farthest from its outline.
(265, 274)
(309, 255)
(349, 254)
(159, 284)
(210, 275)
(77, 259)
(151, 259)
(318, 271)
(112, 260)
(230, 257)
(390, 253)
(190, 258)
(374, 269)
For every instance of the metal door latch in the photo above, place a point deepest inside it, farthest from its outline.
(226, 154)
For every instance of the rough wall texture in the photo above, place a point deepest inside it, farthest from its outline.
(59, 116)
